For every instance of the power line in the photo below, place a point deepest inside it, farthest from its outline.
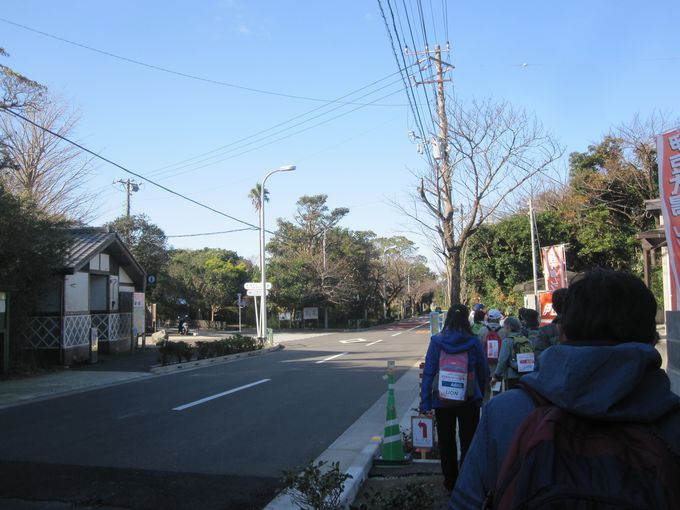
(412, 98)
(126, 170)
(254, 139)
(212, 233)
(166, 70)
(247, 151)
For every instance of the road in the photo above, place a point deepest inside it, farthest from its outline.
(216, 437)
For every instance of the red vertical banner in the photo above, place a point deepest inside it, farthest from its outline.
(668, 159)
(554, 267)
(547, 311)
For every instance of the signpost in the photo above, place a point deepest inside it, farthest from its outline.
(422, 434)
(240, 304)
(256, 286)
(254, 290)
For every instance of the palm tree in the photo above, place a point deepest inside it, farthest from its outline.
(254, 196)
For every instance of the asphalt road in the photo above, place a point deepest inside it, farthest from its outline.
(216, 437)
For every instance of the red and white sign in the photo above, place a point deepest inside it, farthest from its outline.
(668, 159)
(554, 267)
(421, 432)
(547, 311)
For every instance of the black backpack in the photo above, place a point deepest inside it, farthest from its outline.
(560, 461)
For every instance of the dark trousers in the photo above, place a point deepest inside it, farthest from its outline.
(452, 421)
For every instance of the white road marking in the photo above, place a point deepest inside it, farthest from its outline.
(332, 357)
(353, 341)
(411, 329)
(224, 393)
(373, 343)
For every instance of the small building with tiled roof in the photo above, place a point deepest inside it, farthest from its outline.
(92, 300)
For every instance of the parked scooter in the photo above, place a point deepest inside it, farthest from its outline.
(183, 326)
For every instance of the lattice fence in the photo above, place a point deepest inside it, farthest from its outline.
(41, 333)
(77, 330)
(101, 322)
(120, 325)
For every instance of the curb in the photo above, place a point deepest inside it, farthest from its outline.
(182, 367)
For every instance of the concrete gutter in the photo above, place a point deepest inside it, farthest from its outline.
(359, 445)
(201, 363)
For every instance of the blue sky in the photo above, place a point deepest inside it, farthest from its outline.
(589, 66)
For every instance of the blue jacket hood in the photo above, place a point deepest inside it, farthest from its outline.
(451, 342)
(454, 341)
(618, 382)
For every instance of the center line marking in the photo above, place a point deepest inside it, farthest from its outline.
(332, 357)
(212, 397)
(397, 334)
(373, 343)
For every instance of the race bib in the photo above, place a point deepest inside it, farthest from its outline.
(452, 385)
(492, 349)
(525, 362)
(453, 375)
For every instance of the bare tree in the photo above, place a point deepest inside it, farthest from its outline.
(17, 91)
(494, 151)
(41, 166)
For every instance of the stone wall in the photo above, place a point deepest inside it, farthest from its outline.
(673, 349)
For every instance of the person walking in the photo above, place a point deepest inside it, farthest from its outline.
(604, 379)
(515, 349)
(454, 378)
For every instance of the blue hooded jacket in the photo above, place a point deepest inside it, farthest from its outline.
(614, 383)
(452, 342)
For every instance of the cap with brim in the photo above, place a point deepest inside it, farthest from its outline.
(494, 314)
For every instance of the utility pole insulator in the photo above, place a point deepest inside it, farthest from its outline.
(130, 188)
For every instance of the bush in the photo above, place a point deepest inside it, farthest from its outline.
(412, 496)
(316, 488)
(177, 350)
(182, 351)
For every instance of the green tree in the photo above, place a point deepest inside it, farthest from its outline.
(254, 195)
(32, 249)
(307, 264)
(146, 241)
(207, 279)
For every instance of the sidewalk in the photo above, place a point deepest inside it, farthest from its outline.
(110, 370)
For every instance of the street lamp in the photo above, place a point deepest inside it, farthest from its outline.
(263, 299)
(385, 278)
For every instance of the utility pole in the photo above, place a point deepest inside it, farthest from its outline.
(130, 188)
(441, 163)
(533, 254)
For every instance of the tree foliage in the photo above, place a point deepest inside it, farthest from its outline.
(146, 241)
(598, 214)
(316, 262)
(206, 279)
(32, 248)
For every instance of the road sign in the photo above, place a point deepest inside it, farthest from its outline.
(255, 292)
(256, 285)
(421, 432)
(151, 280)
